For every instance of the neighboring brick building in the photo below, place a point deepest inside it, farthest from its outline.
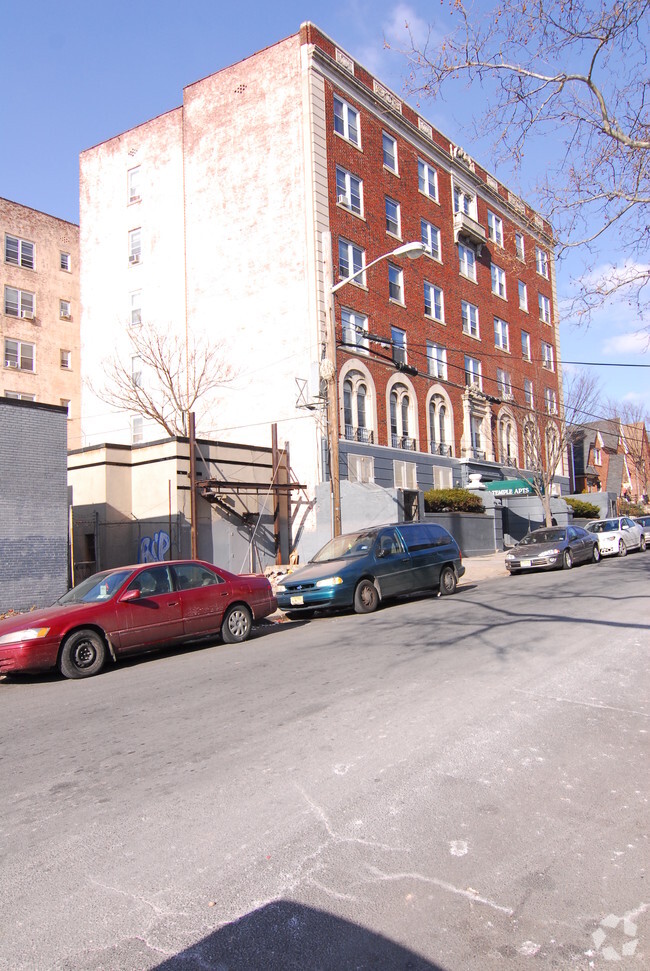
(40, 310)
(225, 216)
(610, 456)
(33, 504)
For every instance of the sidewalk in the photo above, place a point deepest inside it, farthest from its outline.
(479, 568)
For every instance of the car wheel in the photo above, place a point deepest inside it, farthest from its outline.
(595, 554)
(622, 548)
(236, 624)
(513, 572)
(447, 581)
(83, 654)
(642, 544)
(567, 560)
(366, 598)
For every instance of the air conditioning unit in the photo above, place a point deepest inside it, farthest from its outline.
(134, 258)
(13, 364)
(343, 200)
(64, 316)
(27, 314)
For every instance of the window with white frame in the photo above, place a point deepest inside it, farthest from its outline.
(393, 218)
(395, 283)
(64, 309)
(427, 179)
(541, 262)
(430, 238)
(346, 120)
(65, 359)
(19, 303)
(467, 260)
(437, 360)
(443, 478)
(356, 408)
(495, 228)
(136, 371)
(464, 201)
(361, 468)
(475, 436)
(398, 339)
(528, 393)
(598, 456)
(520, 246)
(65, 403)
(390, 152)
(550, 401)
(473, 372)
(400, 417)
(19, 354)
(349, 191)
(137, 429)
(405, 475)
(434, 302)
(523, 295)
(544, 309)
(133, 184)
(498, 281)
(135, 246)
(525, 345)
(547, 356)
(507, 440)
(439, 426)
(135, 308)
(19, 252)
(21, 396)
(65, 262)
(504, 383)
(355, 329)
(352, 260)
(469, 314)
(501, 338)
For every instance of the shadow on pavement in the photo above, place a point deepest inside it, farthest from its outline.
(286, 936)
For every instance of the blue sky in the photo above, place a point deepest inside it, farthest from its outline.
(82, 72)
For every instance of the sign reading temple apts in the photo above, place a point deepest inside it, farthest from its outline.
(510, 487)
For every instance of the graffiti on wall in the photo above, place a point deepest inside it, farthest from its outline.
(153, 548)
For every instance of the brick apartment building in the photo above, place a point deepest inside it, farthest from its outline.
(611, 456)
(235, 213)
(40, 311)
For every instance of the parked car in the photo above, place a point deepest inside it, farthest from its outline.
(363, 568)
(617, 536)
(130, 609)
(644, 523)
(553, 547)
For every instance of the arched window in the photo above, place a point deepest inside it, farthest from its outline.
(400, 418)
(507, 441)
(440, 426)
(355, 408)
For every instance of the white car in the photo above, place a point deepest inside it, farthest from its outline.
(617, 536)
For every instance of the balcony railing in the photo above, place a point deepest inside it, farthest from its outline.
(354, 434)
(477, 453)
(439, 448)
(400, 441)
(510, 460)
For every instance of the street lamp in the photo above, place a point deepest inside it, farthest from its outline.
(328, 364)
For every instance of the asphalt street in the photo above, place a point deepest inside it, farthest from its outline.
(451, 783)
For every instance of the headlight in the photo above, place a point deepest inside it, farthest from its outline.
(280, 588)
(329, 582)
(551, 553)
(29, 634)
(510, 556)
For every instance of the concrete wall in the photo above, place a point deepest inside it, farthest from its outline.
(33, 504)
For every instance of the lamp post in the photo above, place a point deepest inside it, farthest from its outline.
(328, 364)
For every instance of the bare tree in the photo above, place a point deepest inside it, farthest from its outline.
(163, 378)
(548, 433)
(633, 420)
(578, 72)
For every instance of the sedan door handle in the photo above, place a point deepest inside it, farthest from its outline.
(172, 603)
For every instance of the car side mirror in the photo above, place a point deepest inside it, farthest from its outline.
(129, 596)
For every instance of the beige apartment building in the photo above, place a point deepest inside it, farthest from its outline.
(39, 326)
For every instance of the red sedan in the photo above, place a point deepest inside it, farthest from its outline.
(130, 609)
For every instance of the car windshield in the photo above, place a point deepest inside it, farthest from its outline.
(543, 536)
(97, 588)
(349, 545)
(605, 526)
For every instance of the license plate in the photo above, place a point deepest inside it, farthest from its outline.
(297, 601)
(526, 562)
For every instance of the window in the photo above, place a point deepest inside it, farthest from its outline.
(400, 423)
(19, 303)
(437, 360)
(393, 222)
(133, 184)
(547, 356)
(395, 283)
(398, 338)
(65, 359)
(507, 441)
(528, 393)
(65, 262)
(351, 261)
(136, 371)
(18, 252)
(541, 262)
(523, 296)
(504, 382)
(430, 238)
(64, 309)
(498, 281)
(473, 372)
(135, 310)
(464, 201)
(598, 457)
(467, 259)
(355, 408)
(427, 180)
(519, 246)
(405, 474)
(433, 302)
(349, 191)
(355, 328)
(439, 426)
(361, 468)
(544, 309)
(475, 436)
(469, 315)
(65, 403)
(550, 401)
(525, 345)
(137, 429)
(21, 396)
(390, 152)
(495, 228)
(19, 354)
(346, 120)
(501, 338)
(135, 246)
